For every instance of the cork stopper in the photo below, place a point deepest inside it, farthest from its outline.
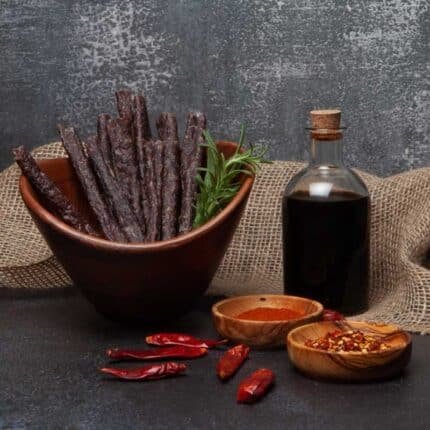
(325, 124)
(328, 119)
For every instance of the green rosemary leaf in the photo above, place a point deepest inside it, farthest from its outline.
(218, 181)
(241, 138)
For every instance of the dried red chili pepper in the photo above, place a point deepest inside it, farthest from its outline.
(155, 354)
(331, 315)
(255, 386)
(153, 371)
(161, 339)
(231, 360)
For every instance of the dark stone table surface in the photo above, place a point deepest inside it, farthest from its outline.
(52, 344)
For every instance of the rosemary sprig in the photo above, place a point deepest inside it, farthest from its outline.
(219, 180)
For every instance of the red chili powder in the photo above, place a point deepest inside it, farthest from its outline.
(270, 314)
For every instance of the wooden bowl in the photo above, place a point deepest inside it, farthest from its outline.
(135, 282)
(261, 334)
(350, 366)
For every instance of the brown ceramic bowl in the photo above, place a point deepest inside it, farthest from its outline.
(135, 282)
(262, 334)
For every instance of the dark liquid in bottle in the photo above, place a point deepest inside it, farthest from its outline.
(326, 249)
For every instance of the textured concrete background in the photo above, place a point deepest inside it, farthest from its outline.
(262, 62)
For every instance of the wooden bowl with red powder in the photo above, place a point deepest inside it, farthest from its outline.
(263, 321)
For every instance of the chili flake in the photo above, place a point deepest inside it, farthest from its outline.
(347, 341)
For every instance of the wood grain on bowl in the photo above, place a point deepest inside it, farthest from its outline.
(261, 334)
(350, 366)
(135, 282)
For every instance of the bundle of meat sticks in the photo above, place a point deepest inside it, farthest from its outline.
(140, 189)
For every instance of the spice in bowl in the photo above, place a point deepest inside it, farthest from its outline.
(270, 314)
(347, 341)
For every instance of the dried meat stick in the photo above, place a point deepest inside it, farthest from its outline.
(192, 157)
(142, 132)
(124, 159)
(171, 189)
(141, 120)
(81, 165)
(113, 193)
(103, 139)
(168, 132)
(55, 200)
(152, 153)
(167, 126)
(124, 102)
(147, 185)
(159, 154)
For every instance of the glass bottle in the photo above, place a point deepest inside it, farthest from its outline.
(326, 219)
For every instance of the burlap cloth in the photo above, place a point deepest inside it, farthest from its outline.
(400, 239)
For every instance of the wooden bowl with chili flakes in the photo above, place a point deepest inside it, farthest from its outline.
(263, 321)
(349, 351)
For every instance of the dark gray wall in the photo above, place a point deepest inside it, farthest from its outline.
(262, 62)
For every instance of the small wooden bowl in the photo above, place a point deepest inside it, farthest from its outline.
(261, 334)
(350, 366)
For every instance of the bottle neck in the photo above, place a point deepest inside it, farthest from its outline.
(326, 153)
